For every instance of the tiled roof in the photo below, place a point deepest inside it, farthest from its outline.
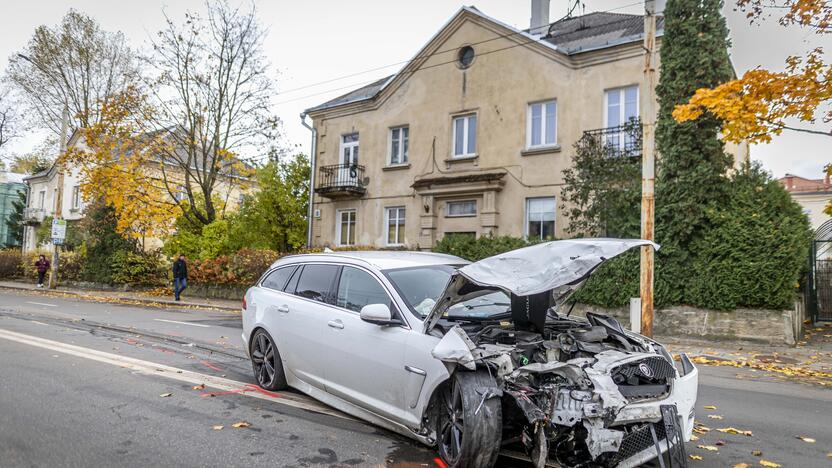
(596, 31)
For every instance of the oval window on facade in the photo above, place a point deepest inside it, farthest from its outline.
(466, 56)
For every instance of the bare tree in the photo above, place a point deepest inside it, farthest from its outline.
(212, 93)
(9, 116)
(74, 63)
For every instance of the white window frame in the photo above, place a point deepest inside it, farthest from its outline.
(400, 227)
(621, 110)
(467, 215)
(543, 125)
(338, 221)
(76, 197)
(351, 145)
(41, 199)
(403, 155)
(466, 118)
(621, 90)
(526, 215)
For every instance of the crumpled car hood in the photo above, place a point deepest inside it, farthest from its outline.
(531, 270)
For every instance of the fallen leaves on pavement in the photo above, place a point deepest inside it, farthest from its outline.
(199, 387)
(695, 457)
(709, 448)
(165, 395)
(742, 465)
(804, 373)
(715, 416)
(735, 431)
(769, 464)
(217, 427)
(757, 453)
(240, 425)
(710, 407)
(808, 440)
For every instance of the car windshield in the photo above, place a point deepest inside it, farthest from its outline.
(421, 286)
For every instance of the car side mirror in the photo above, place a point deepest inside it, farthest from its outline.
(378, 314)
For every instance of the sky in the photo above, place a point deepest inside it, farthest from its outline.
(320, 40)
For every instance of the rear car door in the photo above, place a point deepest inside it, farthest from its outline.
(365, 362)
(303, 314)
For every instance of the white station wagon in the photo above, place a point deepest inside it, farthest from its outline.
(473, 359)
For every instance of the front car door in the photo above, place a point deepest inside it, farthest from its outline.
(365, 365)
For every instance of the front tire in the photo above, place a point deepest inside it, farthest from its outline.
(266, 363)
(469, 429)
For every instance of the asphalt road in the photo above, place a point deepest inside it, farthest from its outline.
(81, 385)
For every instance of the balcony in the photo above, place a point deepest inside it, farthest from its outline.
(33, 216)
(623, 140)
(341, 181)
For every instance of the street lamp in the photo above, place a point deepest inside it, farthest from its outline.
(59, 193)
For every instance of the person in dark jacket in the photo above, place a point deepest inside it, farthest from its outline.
(42, 266)
(180, 276)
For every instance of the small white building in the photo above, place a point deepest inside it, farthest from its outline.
(41, 201)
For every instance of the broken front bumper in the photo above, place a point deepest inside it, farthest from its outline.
(639, 447)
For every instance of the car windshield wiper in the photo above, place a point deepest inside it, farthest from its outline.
(470, 306)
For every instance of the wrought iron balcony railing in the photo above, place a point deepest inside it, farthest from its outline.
(341, 180)
(623, 140)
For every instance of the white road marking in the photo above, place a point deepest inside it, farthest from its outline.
(184, 323)
(42, 304)
(150, 368)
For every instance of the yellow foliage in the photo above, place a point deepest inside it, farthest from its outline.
(117, 167)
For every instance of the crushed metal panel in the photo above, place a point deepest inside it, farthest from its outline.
(455, 347)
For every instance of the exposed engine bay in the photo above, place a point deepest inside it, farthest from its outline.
(573, 391)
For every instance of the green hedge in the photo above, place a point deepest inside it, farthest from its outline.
(475, 249)
(753, 255)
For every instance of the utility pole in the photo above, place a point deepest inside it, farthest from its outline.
(648, 168)
(59, 195)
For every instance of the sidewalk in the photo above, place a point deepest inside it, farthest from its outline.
(809, 362)
(127, 297)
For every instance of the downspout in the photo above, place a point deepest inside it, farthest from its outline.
(313, 153)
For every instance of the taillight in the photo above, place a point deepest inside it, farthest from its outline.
(244, 303)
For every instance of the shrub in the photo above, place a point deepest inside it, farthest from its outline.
(11, 265)
(475, 249)
(147, 268)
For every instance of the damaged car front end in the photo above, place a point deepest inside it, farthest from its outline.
(543, 385)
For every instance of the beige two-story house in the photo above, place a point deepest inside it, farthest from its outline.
(472, 136)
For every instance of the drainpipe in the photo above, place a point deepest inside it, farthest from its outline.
(313, 153)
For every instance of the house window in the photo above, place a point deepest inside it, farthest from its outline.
(41, 199)
(460, 208)
(346, 228)
(181, 194)
(465, 136)
(540, 218)
(395, 217)
(542, 124)
(399, 138)
(76, 197)
(621, 109)
(349, 149)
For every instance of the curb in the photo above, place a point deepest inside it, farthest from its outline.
(91, 295)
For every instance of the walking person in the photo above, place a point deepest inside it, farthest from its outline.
(42, 266)
(180, 276)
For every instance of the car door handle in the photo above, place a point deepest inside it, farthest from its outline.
(284, 308)
(335, 324)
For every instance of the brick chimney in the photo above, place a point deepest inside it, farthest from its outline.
(540, 18)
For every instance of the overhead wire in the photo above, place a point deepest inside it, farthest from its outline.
(366, 82)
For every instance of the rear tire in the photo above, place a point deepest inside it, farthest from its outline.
(265, 361)
(469, 430)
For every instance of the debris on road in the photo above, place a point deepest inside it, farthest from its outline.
(165, 395)
(808, 440)
(217, 427)
(735, 431)
(241, 425)
(769, 464)
(199, 387)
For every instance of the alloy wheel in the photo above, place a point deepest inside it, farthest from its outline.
(452, 425)
(262, 355)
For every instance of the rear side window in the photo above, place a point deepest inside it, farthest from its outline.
(358, 288)
(277, 279)
(315, 282)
